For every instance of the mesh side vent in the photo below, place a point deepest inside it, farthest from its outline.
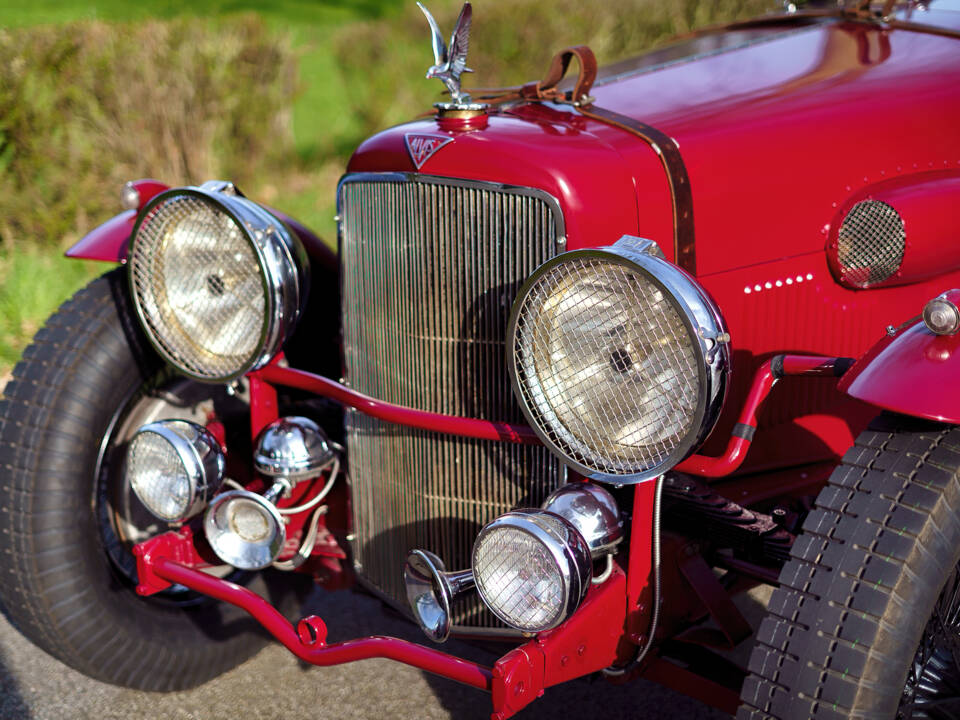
(870, 244)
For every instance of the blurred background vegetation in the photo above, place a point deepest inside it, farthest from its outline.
(275, 98)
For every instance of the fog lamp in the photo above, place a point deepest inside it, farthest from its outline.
(592, 511)
(244, 529)
(294, 448)
(619, 360)
(941, 315)
(174, 467)
(532, 569)
(431, 590)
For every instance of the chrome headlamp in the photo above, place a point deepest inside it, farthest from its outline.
(174, 467)
(532, 569)
(619, 360)
(218, 282)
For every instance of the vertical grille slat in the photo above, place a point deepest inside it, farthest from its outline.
(430, 269)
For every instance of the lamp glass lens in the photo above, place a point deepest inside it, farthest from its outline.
(199, 285)
(519, 579)
(158, 477)
(607, 365)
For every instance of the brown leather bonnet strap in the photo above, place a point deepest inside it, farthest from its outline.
(546, 89)
(662, 144)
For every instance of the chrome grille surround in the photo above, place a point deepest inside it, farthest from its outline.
(430, 268)
(870, 244)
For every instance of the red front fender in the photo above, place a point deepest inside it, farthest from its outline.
(108, 242)
(913, 372)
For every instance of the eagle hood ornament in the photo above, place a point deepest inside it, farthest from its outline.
(451, 62)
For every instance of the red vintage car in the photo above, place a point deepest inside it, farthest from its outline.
(596, 355)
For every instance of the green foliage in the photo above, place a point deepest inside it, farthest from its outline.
(35, 282)
(511, 42)
(88, 105)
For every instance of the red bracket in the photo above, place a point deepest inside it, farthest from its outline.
(177, 546)
(591, 640)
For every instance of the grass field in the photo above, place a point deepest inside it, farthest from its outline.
(359, 67)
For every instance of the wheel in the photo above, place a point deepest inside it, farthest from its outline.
(68, 521)
(866, 621)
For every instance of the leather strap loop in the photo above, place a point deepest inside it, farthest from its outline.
(546, 89)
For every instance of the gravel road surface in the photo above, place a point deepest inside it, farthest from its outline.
(275, 685)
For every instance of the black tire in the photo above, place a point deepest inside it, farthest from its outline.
(65, 578)
(877, 554)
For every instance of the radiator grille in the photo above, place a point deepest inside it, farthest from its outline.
(430, 271)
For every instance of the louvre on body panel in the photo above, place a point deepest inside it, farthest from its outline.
(430, 270)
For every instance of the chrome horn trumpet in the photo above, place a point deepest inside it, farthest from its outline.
(431, 590)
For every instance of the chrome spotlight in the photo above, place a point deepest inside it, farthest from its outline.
(592, 511)
(532, 569)
(174, 467)
(431, 590)
(293, 448)
(244, 529)
(218, 282)
(619, 360)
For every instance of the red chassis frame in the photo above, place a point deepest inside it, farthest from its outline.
(605, 631)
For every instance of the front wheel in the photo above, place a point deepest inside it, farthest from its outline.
(67, 521)
(866, 621)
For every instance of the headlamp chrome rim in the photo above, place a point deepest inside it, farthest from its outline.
(204, 470)
(568, 549)
(230, 546)
(700, 316)
(283, 267)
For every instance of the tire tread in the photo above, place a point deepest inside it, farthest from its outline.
(67, 377)
(827, 627)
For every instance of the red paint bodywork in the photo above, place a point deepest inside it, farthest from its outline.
(913, 372)
(778, 136)
(108, 242)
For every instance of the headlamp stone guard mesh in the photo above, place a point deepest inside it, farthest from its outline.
(216, 281)
(532, 568)
(635, 323)
(870, 245)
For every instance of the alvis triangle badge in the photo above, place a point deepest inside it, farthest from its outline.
(422, 147)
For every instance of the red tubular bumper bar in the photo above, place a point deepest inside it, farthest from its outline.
(308, 642)
(589, 641)
(452, 425)
(767, 374)
(741, 437)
